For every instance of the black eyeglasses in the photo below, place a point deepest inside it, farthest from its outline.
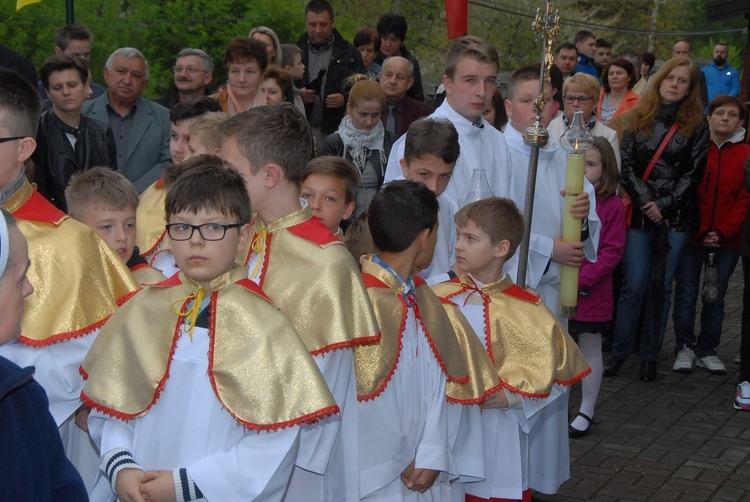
(4, 140)
(208, 231)
(581, 99)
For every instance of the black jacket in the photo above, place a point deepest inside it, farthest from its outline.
(345, 61)
(33, 465)
(55, 161)
(675, 178)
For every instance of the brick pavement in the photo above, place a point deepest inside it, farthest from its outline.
(675, 439)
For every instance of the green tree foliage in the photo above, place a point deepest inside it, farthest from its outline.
(158, 29)
(161, 28)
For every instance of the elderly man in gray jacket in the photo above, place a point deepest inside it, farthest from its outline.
(140, 126)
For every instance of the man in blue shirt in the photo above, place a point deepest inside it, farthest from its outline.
(720, 77)
(585, 43)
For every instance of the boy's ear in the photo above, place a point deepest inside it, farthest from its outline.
(217, 151)
(404, 167)
(244, 232)
(423, 238)
(272, 175)
(503, 248)
(349, 210)
(26, 147)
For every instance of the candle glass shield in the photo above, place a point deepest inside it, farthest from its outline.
(576, 141)
(479, 188)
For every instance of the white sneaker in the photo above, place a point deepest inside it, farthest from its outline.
(684, 361)
(742, 401)
(712, 364)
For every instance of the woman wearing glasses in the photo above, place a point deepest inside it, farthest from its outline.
(618, 79)
(581, 92)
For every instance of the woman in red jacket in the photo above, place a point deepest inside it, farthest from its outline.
(723, 202)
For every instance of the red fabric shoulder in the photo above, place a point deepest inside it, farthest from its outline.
(418, 281)
(159, 182)
(313, 230)
(248, 284)
(172, 281)
(520, 293)
(373, 282)
(39, 209)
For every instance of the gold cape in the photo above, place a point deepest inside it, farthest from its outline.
(483, 379)
(78, 279)
(259, 369)
(312, 278)
(147, 275)
(150, 230)
(374, 364)
(530, 348)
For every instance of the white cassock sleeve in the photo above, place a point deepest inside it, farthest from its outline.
(327, 465)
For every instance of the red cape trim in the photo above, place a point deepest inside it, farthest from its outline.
(520, 293)
(251, 286)
(305, 419)
(159, 387)
(138, 266)
(313, 230)
(40, 210)
(478, 400)
(159, 182)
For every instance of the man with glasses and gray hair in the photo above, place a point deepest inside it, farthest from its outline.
(140, 126)
(193, 73)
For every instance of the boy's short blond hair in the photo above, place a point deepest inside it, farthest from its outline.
(498, 217)
(100, 187)
(337, 167)
(206, 127)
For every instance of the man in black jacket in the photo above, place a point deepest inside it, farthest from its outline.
(329, 61)
(68, 142)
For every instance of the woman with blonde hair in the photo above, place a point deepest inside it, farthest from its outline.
(664, 148)
(362, 139)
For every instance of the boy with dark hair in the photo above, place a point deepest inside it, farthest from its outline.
(74, 40)
(79, 278)
(225, 441)
(431, 150)
(328, 185)
(106, 201)
(309, 274)
(181, 116)
(405, 381)
(534, 356)
(151, 207)
(152, 230)
(470, 59)
(67, 141)
(34, 467)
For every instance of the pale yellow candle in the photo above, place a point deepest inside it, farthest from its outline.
(571, 233)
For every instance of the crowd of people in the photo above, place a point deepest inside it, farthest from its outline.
(288, 288)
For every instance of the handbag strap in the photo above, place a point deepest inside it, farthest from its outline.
(658, 153)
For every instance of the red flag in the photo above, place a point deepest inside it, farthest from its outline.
(457, 17)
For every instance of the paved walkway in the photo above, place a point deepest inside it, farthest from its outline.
(675, 439)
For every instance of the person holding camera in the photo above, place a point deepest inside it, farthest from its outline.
(329, 60)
